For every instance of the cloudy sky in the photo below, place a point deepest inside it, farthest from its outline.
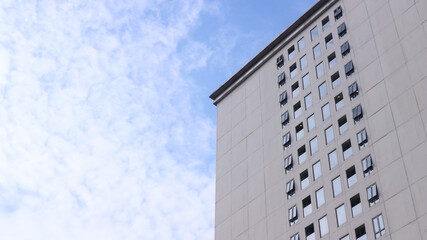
(106, 128)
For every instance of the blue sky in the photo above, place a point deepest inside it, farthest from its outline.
(106, 128)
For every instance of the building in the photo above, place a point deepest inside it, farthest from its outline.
(322, 135)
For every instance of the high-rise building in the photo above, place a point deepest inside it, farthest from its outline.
(322, 135)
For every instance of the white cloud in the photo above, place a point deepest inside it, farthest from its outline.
(98, 135)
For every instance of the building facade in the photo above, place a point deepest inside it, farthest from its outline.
(322, 135)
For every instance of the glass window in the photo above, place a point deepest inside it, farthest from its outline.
(289, 163)
(349, 69)
(339, 101)
(313, 146)
(306, 81)
(346, 149)
(311, 122)
(309, 232)
(308, 101)
(372, 193)
(304, 179)
(342, 124)
(338, 13)
(329, 41)
(290, 188)
(346, 237)
(291, 52)
(367, 165)
(293, 215)
(286, 140)
(320, 197)
(306, 204)
(295, 89)
(314, 33)
(333, 159)
(341, 217)
(293, 70)
(353, 90)
(335, 79)
(360, 232)
(357, 113)
(317, 170)
(351, 176)
(280, 61)
(325, 23)
(356, 205)
(299, 129)
(283, 98)
(329, 134)
(297, 109)
(342, 30)
(326, 112)
(295, 237)
(323, 91)
(332, 60)
(301, 44)
(362, 138)
(281, 79)
(317, 51)
(345, 49)
(303, 62)
(319, 70)
(323, 226)
(378, 224)
(336, 186)
(302, 156)
(285, 119)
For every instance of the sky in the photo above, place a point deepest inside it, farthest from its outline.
(106, 128)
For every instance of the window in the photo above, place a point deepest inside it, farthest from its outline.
(293, 215)
(308, 101)
(333, 159)
(306, 81)
(353, 90)
(372, 192)
(309, 232)
(356, 205)
(311, 122)
(295, 89)
(367, 166)
(299, 129)
(325, 23)
(290, 188)
(317, 170)
(332, 60)
(339, 101)
(378, 224)
(289, 163)
(362, 139)
(323, 91)
(323, 226)
(360, 232)
(346, 237)
(341, 217)
(357, 113)
(293, 70)
(285, 119)
(280, 61)
(336, 186)
(349, 69)
(302, 156)
(286, 140)
(320, 197)
(301, 44)
(342, 124)
(306, 205)
(314, 33)
(345, 49)
(291, 52)
(297, 109)
(304, 179)
(338, 13)
(317, 51)
(295, 237)
(303, 62)
(342, 30)
(346, 149)
(351, 176)
(325, 111)
(319, 70)
(329, 41)
(329, 134)
(283, 98)
(335, 79)
(281, 79)
(313, 146)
